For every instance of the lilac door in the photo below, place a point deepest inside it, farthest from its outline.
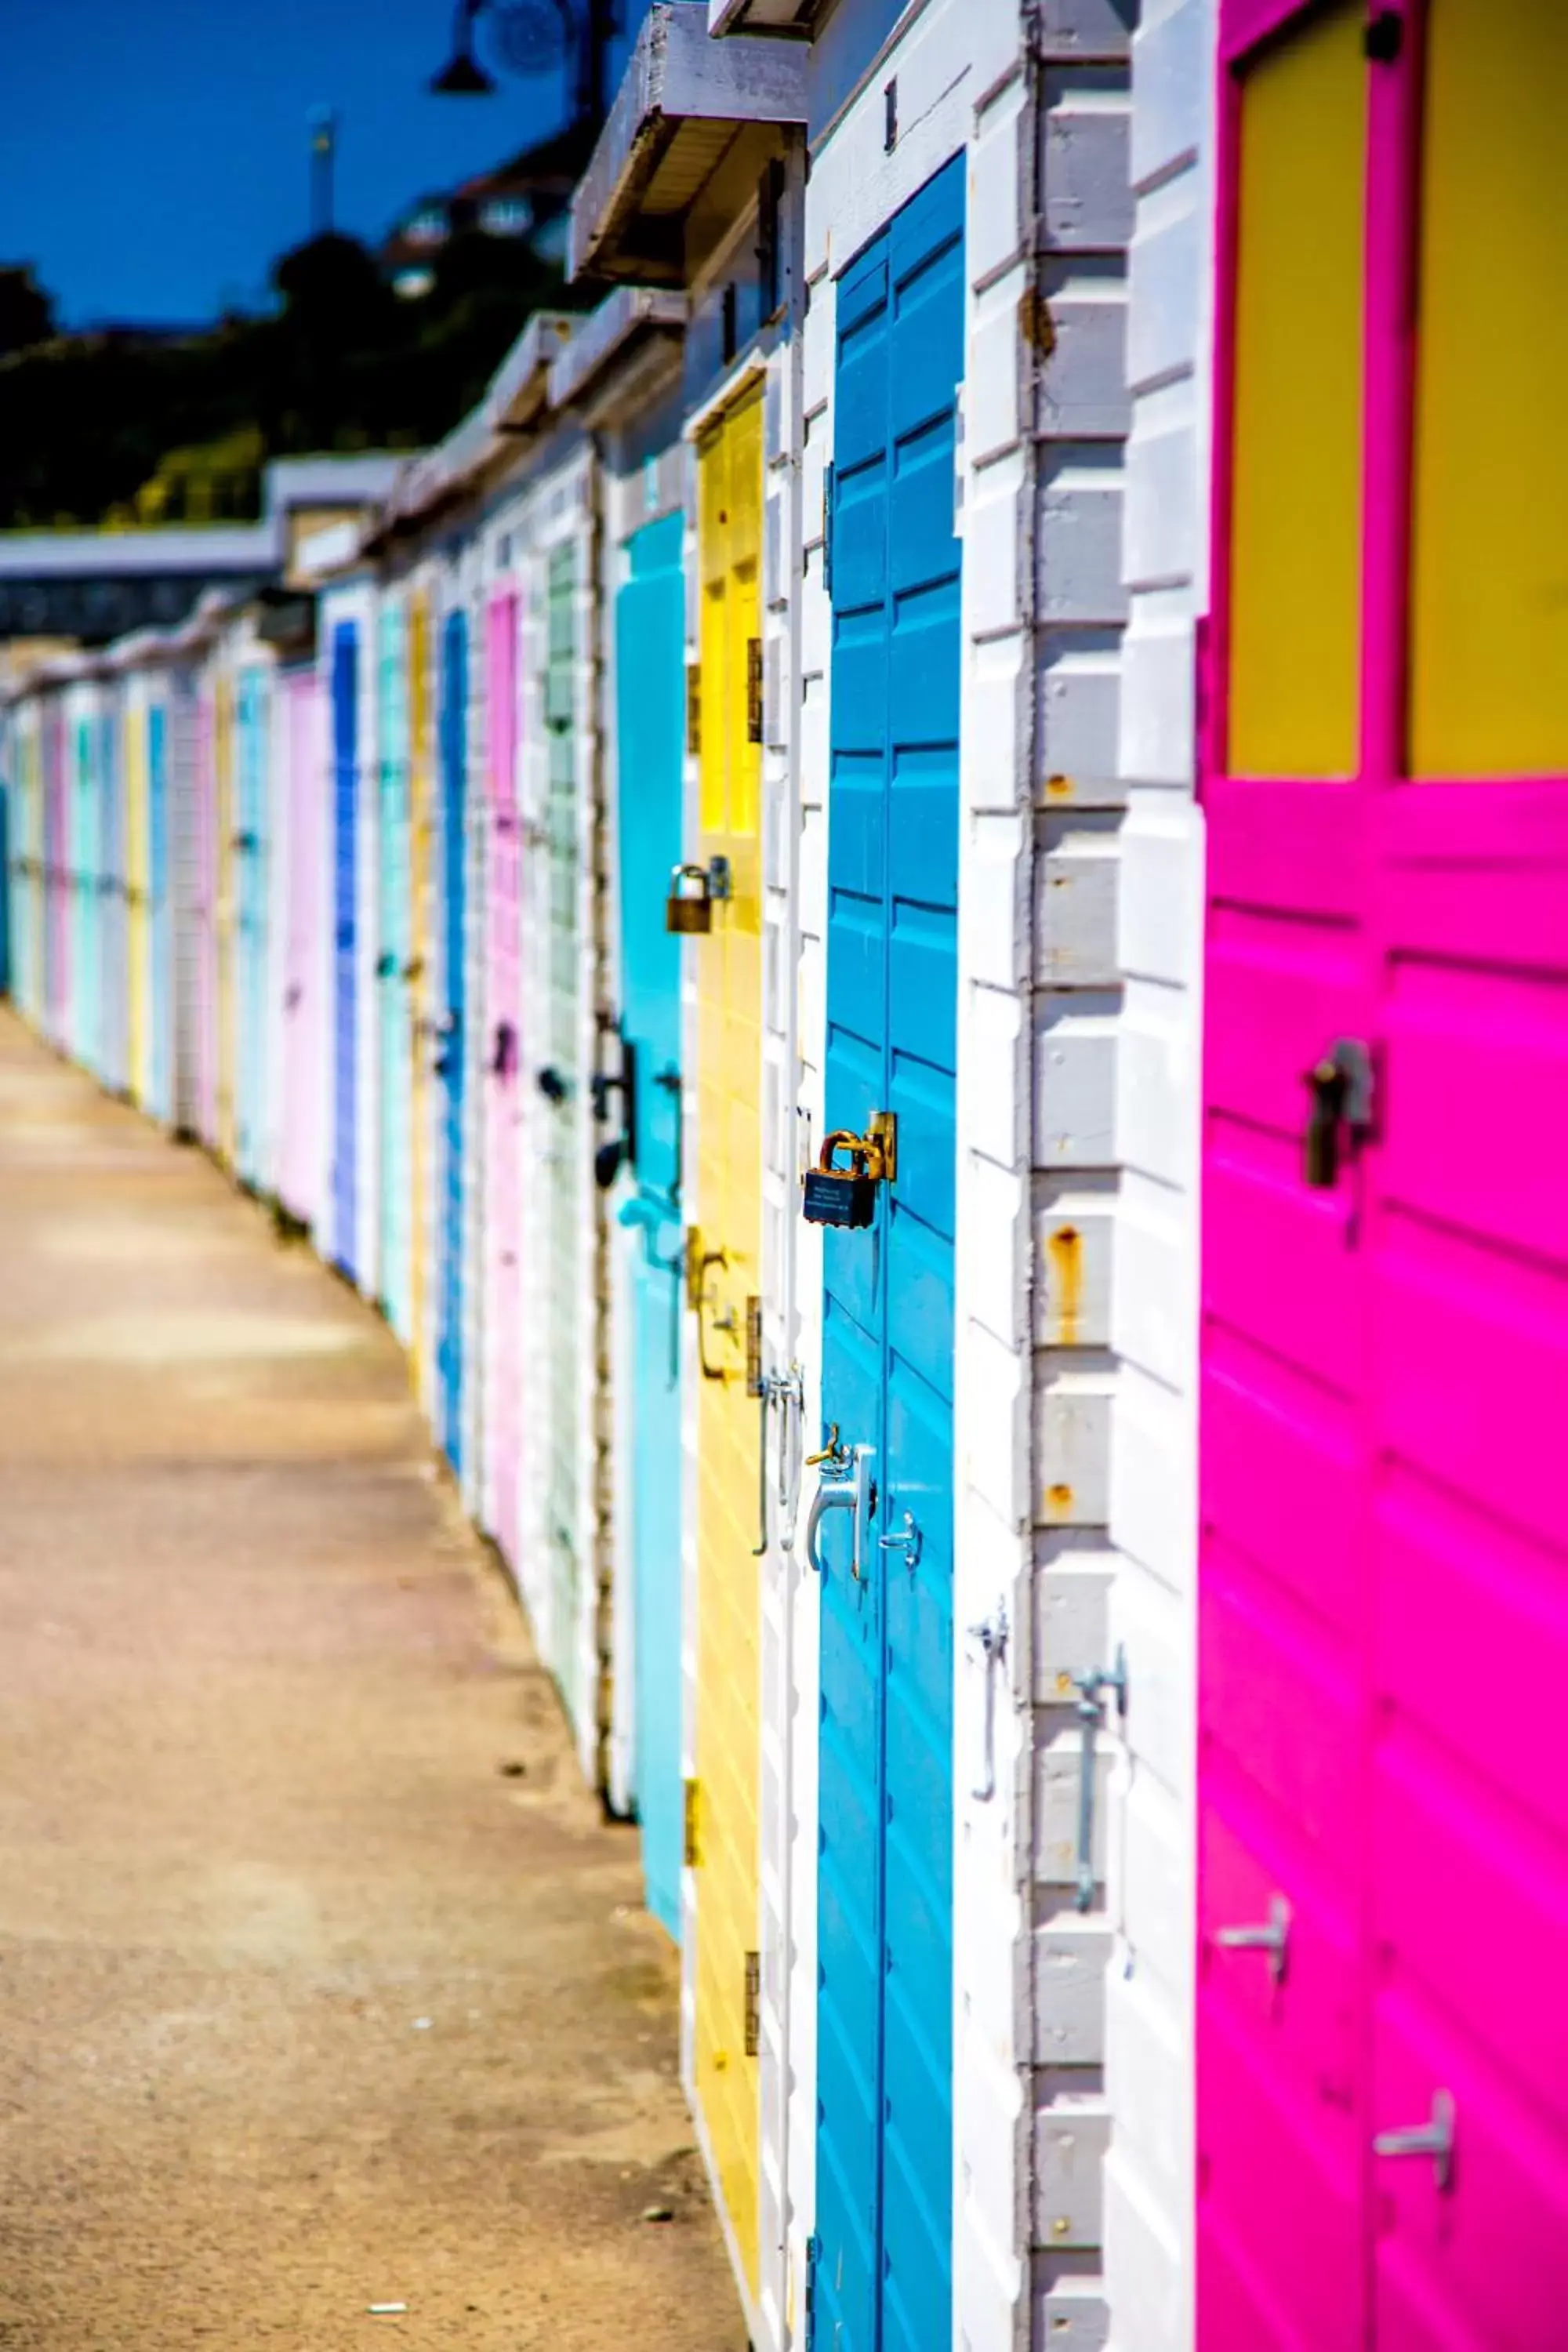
(1383, 2089)
(304, 962)
(503, 1299)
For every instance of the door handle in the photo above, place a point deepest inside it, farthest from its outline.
(504, 1050)
(992, 1637)
(843, 1484)
(1271, 1937)
(1435, 2139)
(1340, 1087)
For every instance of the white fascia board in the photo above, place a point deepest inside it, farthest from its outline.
(624, 318)
(48, 556)
(518, 387)
(676, 75)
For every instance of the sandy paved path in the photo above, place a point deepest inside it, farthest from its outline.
(322, 1982)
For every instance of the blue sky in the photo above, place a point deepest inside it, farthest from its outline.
(154, 154)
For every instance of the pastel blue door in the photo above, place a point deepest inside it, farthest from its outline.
(345, 994)
(882, 2253)
(454, 725)
(161, 990)
(650, 715)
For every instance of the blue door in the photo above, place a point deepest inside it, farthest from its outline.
(345, 880)
(391, 980)
(884, 2220)
(449, 1063)
(651, 697)
(160, 909)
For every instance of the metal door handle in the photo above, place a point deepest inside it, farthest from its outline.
(1090, 1715)
(843, 1483)
(1271, 1938)
(1435, 2139)
(992, 1637)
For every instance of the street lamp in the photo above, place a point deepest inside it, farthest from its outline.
(463, 76)
(531, 36)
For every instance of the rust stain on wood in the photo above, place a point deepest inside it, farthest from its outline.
(1063, 1253)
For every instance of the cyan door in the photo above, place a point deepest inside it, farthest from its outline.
(161, 990)
(884, 2223)
(111, 971)
(449, 1065)
(345, 875)
(650, 687)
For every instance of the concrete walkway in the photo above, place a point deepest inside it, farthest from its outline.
(322, 1984)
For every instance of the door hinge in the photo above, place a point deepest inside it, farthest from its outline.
(754, 1345)
(827, 532)
(753, 2003)
(689, 1848)
(812, 2256)
(753, 689)
(693, 708)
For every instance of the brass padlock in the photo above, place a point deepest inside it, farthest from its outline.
(684, 911)
(845, 1196)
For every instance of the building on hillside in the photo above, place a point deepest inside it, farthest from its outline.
(527, 199)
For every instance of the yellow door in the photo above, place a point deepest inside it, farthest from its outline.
(419, 960)
(138, 900)
(728, 967)
(223, 909)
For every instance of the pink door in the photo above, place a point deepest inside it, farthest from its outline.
(1383, 2039)
(502, 1157)
(299, 1155)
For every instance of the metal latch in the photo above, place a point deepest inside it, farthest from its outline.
(1271, 1937)
(1340, 1088)
(992, 1637)
(1090, 1715)
(786, 1390)
(1435, 2139)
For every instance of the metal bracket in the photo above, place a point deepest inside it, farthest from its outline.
(907, 1540)
(1271, 1938)
(1435, 2139)
(1090, 1716)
